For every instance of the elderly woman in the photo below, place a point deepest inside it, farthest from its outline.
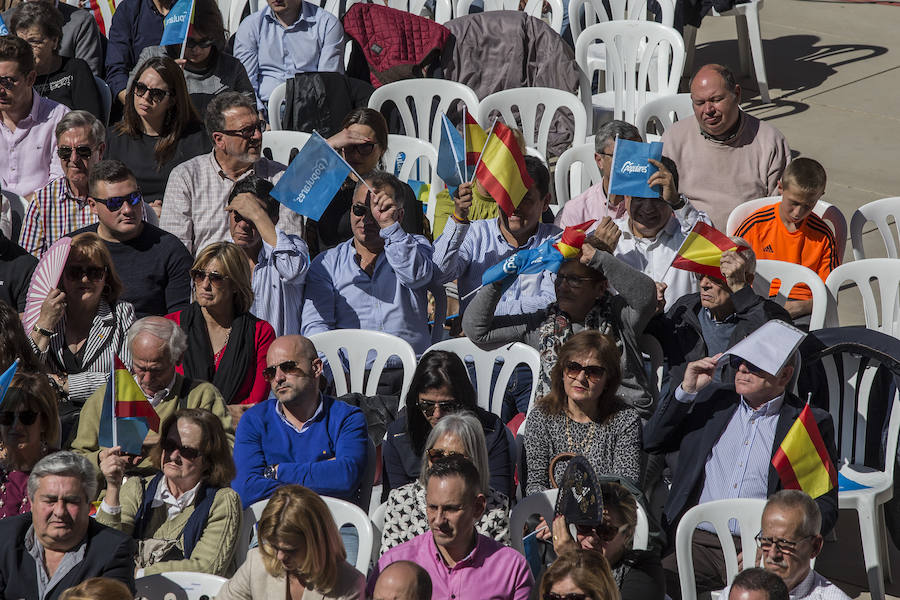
(227, 345)
(440, 386)
(583, 302)
(579, 574)
(82, 324)
(458, 433)
(29, 430)
(300, 554)
(185, 518)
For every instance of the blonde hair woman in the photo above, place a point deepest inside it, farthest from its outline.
(98, 588)
(300, 554)
(581, 574)
(226, 344)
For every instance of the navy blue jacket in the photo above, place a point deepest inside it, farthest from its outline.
(136, 24)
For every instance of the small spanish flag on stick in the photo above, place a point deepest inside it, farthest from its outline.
(701, 251)
(573, 236)
(802, 461)
(474, 138)
(501, 169)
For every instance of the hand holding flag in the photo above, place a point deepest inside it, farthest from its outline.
(177, 24)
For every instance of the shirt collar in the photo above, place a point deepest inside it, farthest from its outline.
(161, 395)
(164, 496)
(528, 244)
(668, 231)
(218, 168)
(279, 409)
(770, 408)
(68, 195)
(805, 587)
(302, 16)
(729, 319)
(469, 558)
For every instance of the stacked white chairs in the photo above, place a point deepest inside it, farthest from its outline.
(789, 275)
(882, 312)
(533, 8)
(638, 65)
(576, 171)
(443, 9)
(282, 144)
(345, 513)
(662, 113)
(413, 158)
(195, 586)
(881, 212)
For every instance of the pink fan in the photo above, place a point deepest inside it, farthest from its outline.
(46, 277)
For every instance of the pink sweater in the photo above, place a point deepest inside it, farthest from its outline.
(717, 176)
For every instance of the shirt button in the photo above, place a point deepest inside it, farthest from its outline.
(735, 486)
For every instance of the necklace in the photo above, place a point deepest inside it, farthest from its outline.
(218, 354)
(586, 443)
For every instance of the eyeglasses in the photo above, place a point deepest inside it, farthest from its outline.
(155, 94)
(37, 43)
(361, 149)
(593, 372)
(26, 417)
(605, 531)
(114, 203)
(570, 596)
(438, 454)
(246, 132)
(204, 43)
(428, 407)
(288, 367)
(736, 361)
(573, 281)
(65, 152)
(782, 545)
(169, 445)
(77, 272)
(199, 276)
(8, 83)
(360, 210)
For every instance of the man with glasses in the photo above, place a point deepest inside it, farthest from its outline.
(152, 264)
(788, 541)
(27, 122)
(727, 434)
(198, 189)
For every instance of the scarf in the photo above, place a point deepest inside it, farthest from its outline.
(238, 356)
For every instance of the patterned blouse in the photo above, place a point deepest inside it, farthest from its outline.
(405, 516)
(13, 493)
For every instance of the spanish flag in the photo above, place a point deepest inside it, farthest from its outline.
(573, 236)
(501, 171)
(127, 415)
(701, 251)
(475, 139)
(802, 461)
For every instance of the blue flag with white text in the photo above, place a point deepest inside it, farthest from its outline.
(177, 24)
(312, 179)
(631, 168)
(6, 379)
(533, 260)
(451, 163)
(3, 29)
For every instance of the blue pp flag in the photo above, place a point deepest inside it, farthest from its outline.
(534, 260)
(451, 163)
(631, 168)
(177, 24)
(312, 179)
(7, 376)
(3, 28)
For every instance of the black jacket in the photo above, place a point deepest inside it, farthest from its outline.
(109, 553)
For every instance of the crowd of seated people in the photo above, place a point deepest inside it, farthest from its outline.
(183, 266)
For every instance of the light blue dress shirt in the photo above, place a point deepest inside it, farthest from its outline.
(464, 251)
(273, 53)
(278, 283)
(341, 295)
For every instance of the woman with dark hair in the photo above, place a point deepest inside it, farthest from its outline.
(441, 386)
(62, 79)
(208, 69)
(581, 574)
(186, 517)
(14, 343)
(160, 128)
(29, 431)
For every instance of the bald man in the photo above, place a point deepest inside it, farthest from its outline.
(403, 580)
(299, 436)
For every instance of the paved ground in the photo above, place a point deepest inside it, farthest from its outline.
(834, 78)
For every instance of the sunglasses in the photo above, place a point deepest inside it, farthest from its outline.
(26, 417)
(573, 281)
(428, 407)
(154, 94)
(65, 152)
(361, 149)
(360, 210)
(116, 202)
(592, 372)
(169, 446)
(246, 132)
(288, 367)
(570, 596)
(77, 272)
(199, 276)
(736, 361)
(204, 43)
(8, 83)
(604, 531)
(437, 454)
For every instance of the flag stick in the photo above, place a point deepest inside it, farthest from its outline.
(112, 382)
(472, 293)
(465, 146)
(444, 122)
(343, 160)
(187, 33)
(183, 46)
(486, 140)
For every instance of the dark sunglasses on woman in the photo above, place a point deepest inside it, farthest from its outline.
(202, 43)
(428, 407)
(438, 454)
(26, 417)
(65, 152)
(170, 445)
(361, 149)
(199, 276)
(154, 95)
(77, 272)
(592, 372)
(571, 596)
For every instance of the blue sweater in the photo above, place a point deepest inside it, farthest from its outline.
(136, 24)
(329, 457)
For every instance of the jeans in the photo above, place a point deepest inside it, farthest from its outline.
(350, 537)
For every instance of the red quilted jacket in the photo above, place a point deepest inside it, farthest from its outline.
(394, 43)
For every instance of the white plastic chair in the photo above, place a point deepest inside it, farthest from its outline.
(419, 163)
(880, 212)
(248, 523)
(789, 275)
(423, 120)
(749, 42)
(13, 214)
(282, 143)
(533, 8)
(828, 212)
(663, 112)
(748, 513)
(345, 513)
(276, 99)
(443, 10)
(512, 355)
(354, 345)
(377, 518)
(882, 314)
(105, 98)
(638, 68)
(576, 171)
(195, 586)
(526, 101)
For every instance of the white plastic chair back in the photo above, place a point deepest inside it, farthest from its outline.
(421, 119)
(13, 214)
(718, 513)
(881, 313)
(354, 345)
(105, 98)
(641, 529)
(663, 112)
(512, 355)
(345, 513)
(576, 171)
(377, 518)
(789, 275)
(248, 524)
(443, 10)
(533, 8)
(234, 14)
(638, 66)
(276, 99)
(411, 158)
(282, 143)
(194, 586)
(542, 503)
(881, 212)
(527, 101)
(622, 10)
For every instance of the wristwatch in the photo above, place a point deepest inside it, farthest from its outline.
(43, 332)
(271, 472)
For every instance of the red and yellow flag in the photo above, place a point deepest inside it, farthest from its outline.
(130, 399)
(501, 171)
(802, 460)
(569, 245)
(475, 139)
(701, 251)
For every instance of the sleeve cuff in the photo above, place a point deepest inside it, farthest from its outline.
(392, 233)
(110, 510)
(683, 396)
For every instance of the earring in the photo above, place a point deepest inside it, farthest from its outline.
(44, 446)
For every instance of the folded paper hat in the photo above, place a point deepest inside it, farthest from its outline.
(769, 347)
(580, 500)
